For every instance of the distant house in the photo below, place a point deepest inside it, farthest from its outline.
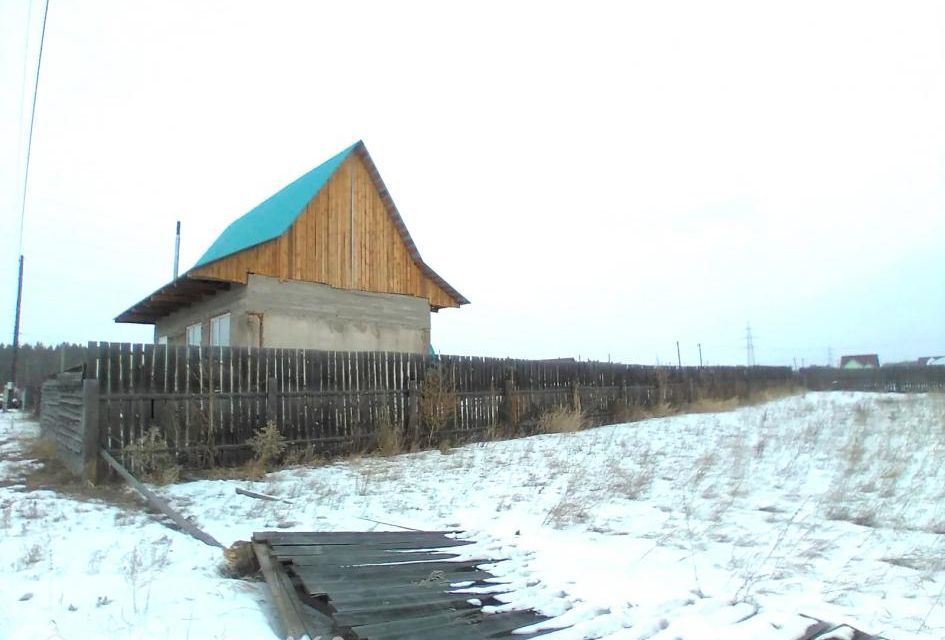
(868, 361)
(325, 263)
(935, 361)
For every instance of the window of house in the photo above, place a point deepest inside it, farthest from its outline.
(220, 331)
(195, 335)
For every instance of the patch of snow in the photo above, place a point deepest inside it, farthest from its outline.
(734, 525)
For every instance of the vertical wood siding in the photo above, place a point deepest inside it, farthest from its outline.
(346, 238)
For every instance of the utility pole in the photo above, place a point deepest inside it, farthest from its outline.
(829, 356)
(16, 325)
(749, 345)
(700, 354)
(26, 181)
(678, 355)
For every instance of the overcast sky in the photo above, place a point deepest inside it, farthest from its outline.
(599, 179)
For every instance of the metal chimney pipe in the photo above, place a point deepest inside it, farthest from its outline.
(177, 250)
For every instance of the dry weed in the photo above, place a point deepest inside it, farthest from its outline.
(390, 439)
(42, 449)
(151, 460)
(661, 410)
(622, 413)
(33, 555)
(561, 420)
(268, 445)
(438, 401)
(301, 457)
(634, 482)
(713, 405)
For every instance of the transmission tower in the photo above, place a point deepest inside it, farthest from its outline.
(749, 345)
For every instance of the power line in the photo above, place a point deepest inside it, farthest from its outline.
(19, 119)
(29, 138)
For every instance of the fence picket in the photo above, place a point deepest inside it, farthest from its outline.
(202, 396)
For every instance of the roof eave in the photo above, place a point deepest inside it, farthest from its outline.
(170, 298)
(361, 151)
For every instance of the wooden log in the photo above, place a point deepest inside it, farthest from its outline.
(159, 504)
(260, 496)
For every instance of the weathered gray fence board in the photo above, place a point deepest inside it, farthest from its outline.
(61, 418)
(207, 402)
(884, 379)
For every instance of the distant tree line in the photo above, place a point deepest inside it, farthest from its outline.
(35, 363)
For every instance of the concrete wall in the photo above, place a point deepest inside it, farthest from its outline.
(270, 313)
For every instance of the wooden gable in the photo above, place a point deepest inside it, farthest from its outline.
(349, 236)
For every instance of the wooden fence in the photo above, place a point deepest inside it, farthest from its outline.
(884, 379)
(68, 418)
(207, 403)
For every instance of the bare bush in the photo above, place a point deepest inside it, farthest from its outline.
(151, 458)
(438, 402)
(268, 446)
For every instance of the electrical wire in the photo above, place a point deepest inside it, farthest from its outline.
(29, 138)
(19, 117)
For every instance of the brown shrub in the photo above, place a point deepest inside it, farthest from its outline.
(438, 402)
(151, 460)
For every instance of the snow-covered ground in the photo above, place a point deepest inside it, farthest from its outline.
(732, 525)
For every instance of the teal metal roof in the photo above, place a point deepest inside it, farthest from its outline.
(274, 216)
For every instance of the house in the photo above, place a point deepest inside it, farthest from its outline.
(867, 361)
(935, 361)
(325, 263)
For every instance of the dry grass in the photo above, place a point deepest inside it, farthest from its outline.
(301, 457)
(633, 482)
(561, 420)
(390, 439)
(774, 392)
(51, 474)
(712, 405)
(622, 412)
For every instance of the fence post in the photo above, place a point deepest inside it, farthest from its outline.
(413, 412)
(272, 407)
(575, 397)
(91, 464)
(508, 403)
